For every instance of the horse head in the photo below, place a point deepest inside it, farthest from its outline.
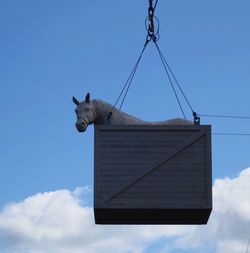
(85, 113)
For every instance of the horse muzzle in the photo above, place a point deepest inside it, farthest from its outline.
(82, 125)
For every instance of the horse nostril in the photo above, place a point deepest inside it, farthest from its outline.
(80, 125)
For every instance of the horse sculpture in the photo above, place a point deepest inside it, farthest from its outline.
(97, 112)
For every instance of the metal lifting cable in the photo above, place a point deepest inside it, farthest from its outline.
(133, 74)
(231, 134)
(152, 26)
(167, 67)
(173, 75)
(149, 37)
(151, 3)
(169, 78)
(130, 78)
(223, 116)
(153, 35)
(227, 117)
(128, 82)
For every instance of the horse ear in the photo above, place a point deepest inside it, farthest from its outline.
(87, 98)
(75, 100)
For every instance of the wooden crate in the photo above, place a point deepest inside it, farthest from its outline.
(152, 174)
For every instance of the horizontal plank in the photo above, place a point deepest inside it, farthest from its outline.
(157, 196)
(120, 147)
(171, 186)
(124, 156)
(190, 161)
(145, 138)
(163, 193)
(105, 147)
(147, 134)
(168, 187)
(164, 170)
(145, 187)
(157, 176)
(143, 127)
(147, 131)
(150, 151)
(180, 166)
(127, 142)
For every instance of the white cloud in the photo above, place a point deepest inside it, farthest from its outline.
(54, 222)
(228, 229)
(59, 222)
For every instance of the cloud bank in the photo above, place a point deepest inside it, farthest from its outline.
(60, 222)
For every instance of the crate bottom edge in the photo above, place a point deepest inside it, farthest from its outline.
(109, 216)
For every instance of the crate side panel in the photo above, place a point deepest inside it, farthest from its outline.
(122, 153)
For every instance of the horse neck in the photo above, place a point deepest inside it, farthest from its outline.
(102, 110)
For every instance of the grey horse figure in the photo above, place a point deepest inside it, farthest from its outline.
(97, 112)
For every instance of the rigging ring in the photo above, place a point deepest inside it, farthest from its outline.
(157, 26)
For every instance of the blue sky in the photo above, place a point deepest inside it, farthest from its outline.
(51, 50)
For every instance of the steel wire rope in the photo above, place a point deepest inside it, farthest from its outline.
(151, 3)
(227, 117)
(128, 82)
(231, 134)
(155, 38)
(173, 75)
(133, 73)
(156, 2)
(223, 116)
(131, 76)
(169, 78)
